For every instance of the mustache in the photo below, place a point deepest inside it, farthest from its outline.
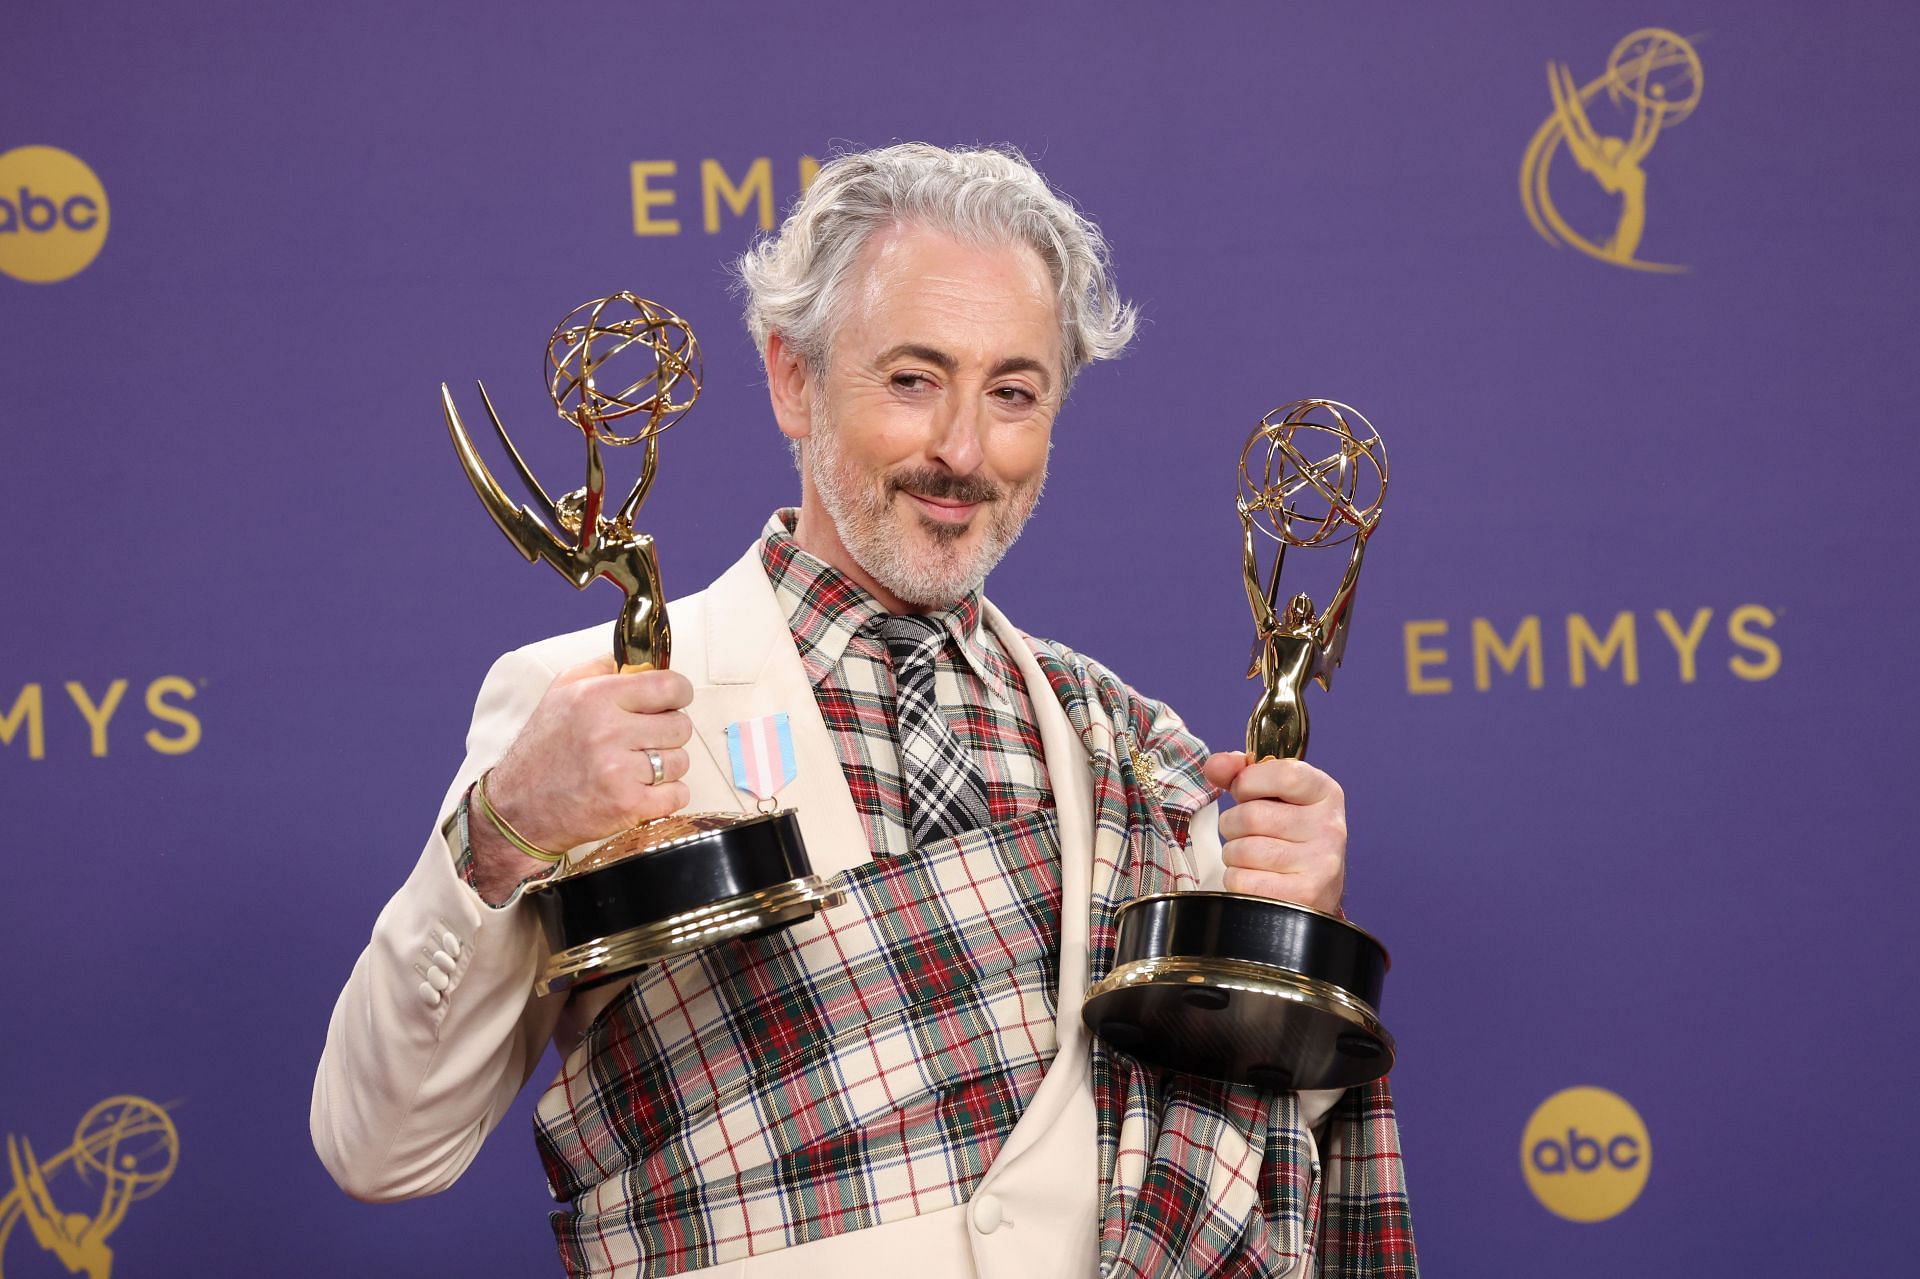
(931, 482)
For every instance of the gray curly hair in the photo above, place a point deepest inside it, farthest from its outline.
(796, 280)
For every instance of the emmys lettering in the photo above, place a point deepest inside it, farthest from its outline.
(171, 729)
(53, 214)
(1518, 650)
(657, 187)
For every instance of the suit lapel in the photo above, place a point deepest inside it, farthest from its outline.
(753, 669)
(1068, 772)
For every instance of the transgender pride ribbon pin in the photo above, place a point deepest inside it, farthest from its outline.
(762, 754)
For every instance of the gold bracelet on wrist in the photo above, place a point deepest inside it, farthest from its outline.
(507, 832)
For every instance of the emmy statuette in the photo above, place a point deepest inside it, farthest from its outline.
(690, 879)
(1241, 988)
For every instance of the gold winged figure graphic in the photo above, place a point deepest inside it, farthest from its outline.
(79, 1241)
(1652, 76)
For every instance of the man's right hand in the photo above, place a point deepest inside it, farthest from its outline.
(578, 771)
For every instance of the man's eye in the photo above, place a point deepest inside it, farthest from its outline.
(911, 381)
(1013, 395)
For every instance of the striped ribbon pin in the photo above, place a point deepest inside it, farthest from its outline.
(762, 754)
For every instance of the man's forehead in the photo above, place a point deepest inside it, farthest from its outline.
(920, 287)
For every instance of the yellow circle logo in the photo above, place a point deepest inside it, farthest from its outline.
(1585, 1154)
(53, 214)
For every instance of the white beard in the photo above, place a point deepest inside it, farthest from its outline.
(924, 563)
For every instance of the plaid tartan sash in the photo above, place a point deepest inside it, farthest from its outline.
(862, 1068)
(1199, 1178)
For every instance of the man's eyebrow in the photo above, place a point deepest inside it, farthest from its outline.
(1022, 364)
(948, 365)
(914, 351)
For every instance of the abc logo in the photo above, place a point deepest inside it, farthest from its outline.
(1585, 1154)
(53, 214)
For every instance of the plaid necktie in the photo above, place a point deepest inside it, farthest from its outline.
(945, 794)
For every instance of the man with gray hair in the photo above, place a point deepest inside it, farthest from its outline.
(904, 1081)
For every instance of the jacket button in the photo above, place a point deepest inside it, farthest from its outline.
(987, 1214)
(429, 996)
(444, 960)
(438, 979)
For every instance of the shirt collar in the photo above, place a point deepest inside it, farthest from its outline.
(826, 609)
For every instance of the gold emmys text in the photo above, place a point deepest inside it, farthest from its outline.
(174, 730)
(657, 188)
(1743, 640)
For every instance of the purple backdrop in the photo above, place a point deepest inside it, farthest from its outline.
(224, 463)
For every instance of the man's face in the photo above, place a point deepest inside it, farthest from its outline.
(925, 442)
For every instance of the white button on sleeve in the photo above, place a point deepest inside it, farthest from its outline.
(443, 960)
(429, 995)
(437, 979)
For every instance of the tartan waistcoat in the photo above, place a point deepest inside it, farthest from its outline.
(862, 1068)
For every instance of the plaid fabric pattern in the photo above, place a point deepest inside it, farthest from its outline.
(945, 795)
(1199, 1178)
(980, 692)
(860, 1069)
(867, 1066)
(1365, 1227)
(864, 1067)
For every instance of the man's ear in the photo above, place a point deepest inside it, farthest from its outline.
(790, 388)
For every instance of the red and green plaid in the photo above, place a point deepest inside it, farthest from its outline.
(862, 1068)
(865, 1067)
(977, 685)
(1197, 1177)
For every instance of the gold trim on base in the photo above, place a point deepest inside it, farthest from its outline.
(1239, 1022)
(1188, 972)
(632, 948)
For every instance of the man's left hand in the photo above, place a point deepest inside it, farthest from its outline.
(1286, 835)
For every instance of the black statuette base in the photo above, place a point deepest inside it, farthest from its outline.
(1246, 990)
(741, 877)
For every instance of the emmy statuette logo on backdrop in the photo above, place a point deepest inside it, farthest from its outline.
(123, 1150)
(1651, 83)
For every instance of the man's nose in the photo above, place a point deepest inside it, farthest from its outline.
(956, 443)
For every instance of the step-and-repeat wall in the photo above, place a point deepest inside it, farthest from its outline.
(1628, 289)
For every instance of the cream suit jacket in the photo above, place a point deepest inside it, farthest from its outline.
(438, 1026)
